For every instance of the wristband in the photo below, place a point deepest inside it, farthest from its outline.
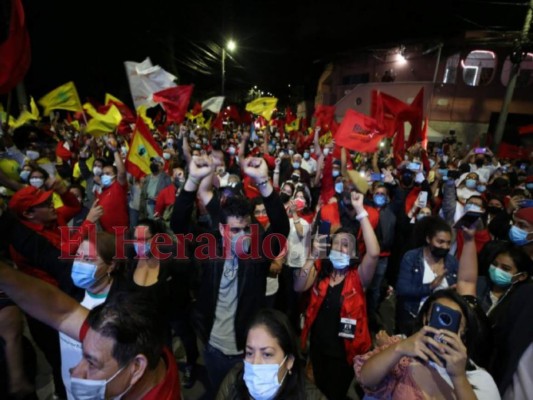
(261, 183)
(361, 215)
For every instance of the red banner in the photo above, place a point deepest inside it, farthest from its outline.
(358, 132)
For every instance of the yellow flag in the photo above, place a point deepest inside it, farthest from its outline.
(263, 106)
(3, 117)
(110, 97)
(65, 97)
(102, 123)
(141, 112)
(293, 126)
(25, 116)
(142, 148)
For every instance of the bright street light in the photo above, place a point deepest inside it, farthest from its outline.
(231, 46)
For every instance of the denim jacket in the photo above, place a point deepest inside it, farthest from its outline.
(409, 288)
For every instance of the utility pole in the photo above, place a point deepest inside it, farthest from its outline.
(516, 58)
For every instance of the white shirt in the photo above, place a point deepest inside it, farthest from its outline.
(522, 386)
(310, 165)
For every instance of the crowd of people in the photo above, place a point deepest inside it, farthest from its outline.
(296, 271)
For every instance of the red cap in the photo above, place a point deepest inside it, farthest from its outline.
(28, 197)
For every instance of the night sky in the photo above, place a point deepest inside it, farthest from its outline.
(279, 42)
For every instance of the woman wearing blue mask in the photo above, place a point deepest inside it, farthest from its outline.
(336, 318)
(272, 367)
(92, 270)
(508, 270)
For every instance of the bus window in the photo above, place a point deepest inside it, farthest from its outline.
(525, 76)
(479, 67)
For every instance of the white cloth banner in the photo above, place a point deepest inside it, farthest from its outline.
(146, 79)
(213, 104)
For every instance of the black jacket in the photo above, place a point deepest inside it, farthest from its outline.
(252, 273)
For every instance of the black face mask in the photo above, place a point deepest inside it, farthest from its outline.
(494, 210)
(154, 168)
(178, 183)
(437, 252)
(295, 178)
(284, 197)
(479, 163)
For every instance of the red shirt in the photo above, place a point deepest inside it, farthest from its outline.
(114, 200)
(165, 199)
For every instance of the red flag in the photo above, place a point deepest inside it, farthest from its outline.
(506, 150)
(232, 112)
(415, 114)
(218, 122)
(424, 134)
(525, 130)
(398, 144)
(325, 118)
(15, 53)
(358, 132)
(174, 101)
(289, 116)
(197, 109)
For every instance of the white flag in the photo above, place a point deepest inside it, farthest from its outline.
(146, 79)
(213, 104)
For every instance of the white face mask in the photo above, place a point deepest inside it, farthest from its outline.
(326, 151)
(91, 389)
(339, 259)
(37, 182)
(97, 171)
(262, 379)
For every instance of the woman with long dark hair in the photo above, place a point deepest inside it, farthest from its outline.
(431, 363)
(272, 367)
(336, 318)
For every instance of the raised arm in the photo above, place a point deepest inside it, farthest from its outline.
(368, 265)
(43, 301)
(318, 150)
(468, 265)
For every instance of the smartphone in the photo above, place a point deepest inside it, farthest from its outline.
(468, 219)
(443, 317)
(526, 203)
(324, 228)
(423, 199)
(480, 150)
(414, 166)
(376, 177)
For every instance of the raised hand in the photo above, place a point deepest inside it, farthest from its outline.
(454, 353)
(95, 212)
(422, 345)
(200, 167)
(256, 168)
(357, 201)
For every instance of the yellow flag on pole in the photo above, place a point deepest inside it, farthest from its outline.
(102, 123)
(26, 116)
(263, 106)
(142, 148)
(65, 97)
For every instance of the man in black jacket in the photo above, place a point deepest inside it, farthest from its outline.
(234, 264)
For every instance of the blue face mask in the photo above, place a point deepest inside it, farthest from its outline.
(296, 165)
(529, 186)
(443, 172)
(500, 277)
(420, 216)
(83, 274)
(339, 259)
(471, 183)
(142, 249)
(240, 243)
(339, 187)
(481, 188)
(306, 155)
(106, 180)
(24, 175)
(380, 200)
(335, 173)
(518, 236)
(431, 163)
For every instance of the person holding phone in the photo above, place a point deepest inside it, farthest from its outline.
(336, 318)
(431, 363)
(423, 271)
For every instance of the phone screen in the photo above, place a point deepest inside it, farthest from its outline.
(376, 177)
(324, 228)
(479, 150)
